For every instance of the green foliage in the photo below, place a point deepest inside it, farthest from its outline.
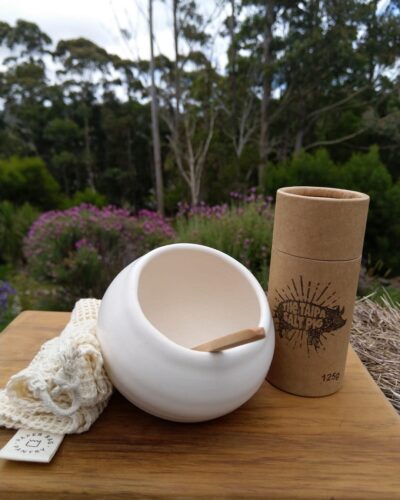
(391, 293)
(242, 230)
(304, 169)
(28, 180)
(11, 143)
(387, 229)
(365, 172)
(62, 132)
(86, 196)
(228, 172)
(362, 172)
(26, 35)
(81, 54)
(14, 224)
(173, 195)
(94, 112)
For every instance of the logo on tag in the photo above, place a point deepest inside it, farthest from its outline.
(32, 446)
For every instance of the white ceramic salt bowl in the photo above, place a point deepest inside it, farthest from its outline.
(169, 300)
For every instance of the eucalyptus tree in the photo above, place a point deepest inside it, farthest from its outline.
(260, 38)
(188, 92)
(237, 98)
(322, 66)
(63, 136)
(349, 46)
(85, 70)
(155, 127)
(23, 84)
(25, 40)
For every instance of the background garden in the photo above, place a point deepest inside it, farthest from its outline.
(104, 158)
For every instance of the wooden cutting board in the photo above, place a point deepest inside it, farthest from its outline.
(277, 445)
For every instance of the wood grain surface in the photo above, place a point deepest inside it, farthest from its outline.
(275, 446)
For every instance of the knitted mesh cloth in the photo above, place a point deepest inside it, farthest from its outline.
(65, 387)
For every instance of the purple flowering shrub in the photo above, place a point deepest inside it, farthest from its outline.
(82, 248)
(242, 229)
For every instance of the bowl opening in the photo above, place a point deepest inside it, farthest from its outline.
(193, 295)
(321, 192)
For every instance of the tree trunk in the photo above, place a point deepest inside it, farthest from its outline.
(194, 198)
(88, 154)
(299, 141)
(233, 58)
(189, 156)
(176, 62)
(154, 120)
(129, 151)
(266, 94)
(372, 30)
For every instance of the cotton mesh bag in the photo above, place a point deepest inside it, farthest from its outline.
(65, 388)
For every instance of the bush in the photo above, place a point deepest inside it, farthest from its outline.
(14, 224)
(386, 237)
(88, 195)
(242, 230)
(362, 172)
(365, 172)
(82, 249)
(303, 169)
(28, 180)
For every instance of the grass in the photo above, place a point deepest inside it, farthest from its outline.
(375, 337)
(31, 294)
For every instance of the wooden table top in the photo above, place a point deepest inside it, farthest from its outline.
(276, 445)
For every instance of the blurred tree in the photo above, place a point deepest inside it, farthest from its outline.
(297, 76)
(28, 180)
(155, 127)
(126, 152)
(258, 37)
(89, 65)
(23, 85)
(63, 136)
(237, 98)
(188, 95)
(325, 71)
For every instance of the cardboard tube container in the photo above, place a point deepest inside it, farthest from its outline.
(315, 263)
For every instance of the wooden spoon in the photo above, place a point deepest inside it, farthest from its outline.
(232, 340)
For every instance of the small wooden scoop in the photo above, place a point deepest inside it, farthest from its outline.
(232, 340)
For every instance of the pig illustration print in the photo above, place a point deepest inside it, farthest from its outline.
(306, 314)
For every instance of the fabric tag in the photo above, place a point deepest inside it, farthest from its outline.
(32, 446)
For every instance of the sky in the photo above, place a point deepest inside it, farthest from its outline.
(101, 21)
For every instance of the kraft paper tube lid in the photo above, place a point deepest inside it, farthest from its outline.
(320, 223)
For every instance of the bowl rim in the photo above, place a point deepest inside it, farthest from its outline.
(265, 318)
